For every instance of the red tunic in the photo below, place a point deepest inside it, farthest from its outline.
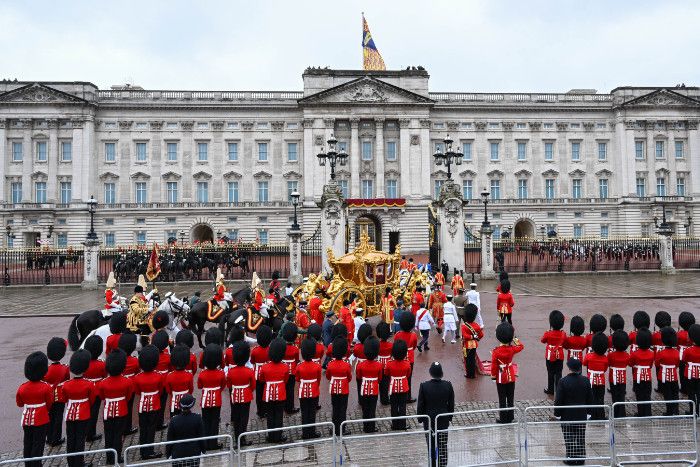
(257, 299)
(177, 384)
(115, 391)
(597, 366)
(358, 351)
(575, 345)
(241, 382)
(275, 376)
(309, 376)
(132, 367)
(96, 371)
(368, 373)
(411, 341)
(641, 361)
(683, 341)
(633, 341)
(315, 309)
(220, 289)
(439, 279)
(78, 395)
(554, 349)
(35, 397)
(691, 356)
(656, 343)
(398, 372)
(192, 367)
(339, 373)
(471, 337)
(505, 303)
(110, 298)
(259, 357)
(384, 352)
(320, 351)
(618, 362)
(112, 343)
(416, 300)
(667, 360)
(211, 382)
(148, 384)
(291, 358)
(347, 319)
(457, 283)
(163, 366)
(502, 363)
(58, 373)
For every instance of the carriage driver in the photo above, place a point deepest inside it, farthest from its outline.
(112, 298)
(220, 290)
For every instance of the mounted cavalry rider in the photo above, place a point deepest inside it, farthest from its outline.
(257, 293)
(220, 290)
(137, 316)
(112, 298)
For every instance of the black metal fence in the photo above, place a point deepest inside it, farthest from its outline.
(311, 253)
(41, 266)
(686, 253)
(472, 256)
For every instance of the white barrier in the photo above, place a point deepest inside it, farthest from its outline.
(96, 457)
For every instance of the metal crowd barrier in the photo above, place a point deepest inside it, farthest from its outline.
(223, 457)
(475, 438)
(95, 456)
(386, 446)
(294, 450)
(658, 439)
(551, 441)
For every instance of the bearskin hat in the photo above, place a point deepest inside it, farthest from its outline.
(339, 330)
(80, 361)
(213, 336)
(37, 364)
(127, 342)
(364, 331)
(556, 320)
(662, 319)
(278, 347)
(407, 322)
(669, 336)
(117, 323)
(275, 275)
(160, 339)
(470, 312)
(94, 345)
(180, 357)
(620, 340)
(160, 319)
(241, 353)
(264, 335)
(599, 343)
(276, 326)
(236, 334)
(314, 330)
(505, 333)
(399, 350)
(383, 330)
(371, 348)
(694, 333)
(56, 349)
(505, 286)
(138, 289)
(340, 347)
(577, 326)
(290, 332)
(617, 322)
(643, 339)
(212, 356)
(308, 349)
(598, 323)
(185, 337)
(116, 362)
(502, 276)
(148, 358)
(686, 319)
(641, 319)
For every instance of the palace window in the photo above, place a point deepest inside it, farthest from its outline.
(141, 151)
(232, 152)
(292, 186)
(171, 192)
(141, 192)
(604, 230)
(202, 192)
(263, 236)
(202, 152)
(522, 188)
(40, 192)
(109, 239)
(62, 240)
(41, 155)
(602, 151)
(494, 150)
(548, 151)
(467, 151)
(232, 192)
(679, 149)
(522, 150)
(110, 152)
(172, 152)
(575, 151)
(578, 230)
(16, 189)
(467, 189)
(292, 154)
(639, 150)
(367, 189)
(603, 188)
(17, 152)
(659, 145)
(262, 152)
(66, 151)
(680, 186)
(110, 193)
(344, 188)
(660, 186)
(66, 189)
(141, 238)
(391, 150)
(263, 191)
(641, 187)
(576, 188)
(495, 189)
(366, 150)
(549, 192)
(391, 189)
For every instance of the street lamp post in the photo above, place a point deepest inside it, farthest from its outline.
(182, 237)
(332, 156)
(92, 206)
(485, 195)
(448, 157)
(295, 195)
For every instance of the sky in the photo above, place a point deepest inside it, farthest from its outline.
(466, 45)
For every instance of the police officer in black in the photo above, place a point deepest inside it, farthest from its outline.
(436, 397)
(186, 425)
(573, 389)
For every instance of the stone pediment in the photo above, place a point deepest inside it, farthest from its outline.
(108, 175)
(603, 173)
(202, 175)
(662, 98)
(36, 93)
(231, 174)
(140, 175)
(262, 174)
(577, 173)
(366, 90)
(467, 174)
(292, 174)
(523, 173)
(171, 176)
(39, 175)
(550, 173)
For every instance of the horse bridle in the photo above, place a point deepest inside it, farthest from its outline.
(176, 307)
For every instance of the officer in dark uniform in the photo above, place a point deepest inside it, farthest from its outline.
(436, 397)
(186, 425)
(573, 389)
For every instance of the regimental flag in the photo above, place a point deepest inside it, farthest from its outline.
(372, 58)
(153, 269)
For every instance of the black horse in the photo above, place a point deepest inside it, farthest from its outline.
(199, 311)
(245, 316)
(82, 325)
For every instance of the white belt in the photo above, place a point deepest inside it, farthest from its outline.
(142, 400)
(234, 392)
(175, 399)
(111, 407)
(553, 349)
(269, 386)
(640, 369)
(691, 367)
(664, 368)
(681, 349)
(391, 383)
(302, 386)
(28, 412)
(162, 372)
(614, 371)
(94, 380)
(364, 382)
(333, 380)
(72, 403)
(208, 396)
(289, 364)
(592, 375)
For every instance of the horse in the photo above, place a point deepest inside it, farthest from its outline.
(273, 317)
(177, 310)
(198, 315)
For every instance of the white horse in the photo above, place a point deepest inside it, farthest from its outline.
(177, 310)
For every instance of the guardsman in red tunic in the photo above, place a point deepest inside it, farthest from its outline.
(416, 300)
(112, 298)
(640, 320)
(258, 358)
(220, 290)
(398, 369)
(35, 397)
(388, 306)
(617, 323)
(213, 335)
(339, 373)
(667, 360)
(308, 373)
(439, 281)
(384, 333)
(291, 359)
(148, 384)
(358, 350)
(503, 369)
(347, 319)
(457, 283)
(117, 326)
(597, 363)
(57, 375)
(241, 382)
(315, 312)
(274, 375)
(505, 303)
(597, 324)
(368, 374)
(642, 362)
(303, 321)
(471, 335)
(554, 350)
(315, 333)
(179, 381)
(115, 390)
(411, 265)
(212, 382)
(78, 394)
(186, 338)
(161, 340)
(685, 320)
(575, 343)
(691, 358)
(618, 361)
(95, 373)
(258, 295)
(127, 343)
(407, 323)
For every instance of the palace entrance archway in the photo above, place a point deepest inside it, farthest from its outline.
(370, 225)
(524, 228)
(202, 233)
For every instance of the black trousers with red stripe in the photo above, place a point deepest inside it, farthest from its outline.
(114, 436)
(369, 410)
(34, 440)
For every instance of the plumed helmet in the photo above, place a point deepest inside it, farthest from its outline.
(399, 350)
(117, 323)
(212, 356)
(148, 358)
(340, 347)
(241, 353)
(37, 364)
(599, 343)
(364, 331)
(314, 330)
(577, 326)
(56, 349)
(617, 322)
(598, 323)
(505, 333)
(371, 347)
(643, 339)
(339, 330)
(278, 347)
(160, 339)
(236, 334)
(407, 321)
(185, 337)
(383, 330)
(470, 312)
(213, 336)
(686, 319)
(694, 333)
(290, 332)
(505, 286)
(127, 342)
(641, 319)
(662, 319)
(264, 335)
(116, 362)
(79, 362)
(180, 357)
(142, 282)
(556, 320)
(94, 345)
(669, 336)
(308, 349)
(620, 340)
(160, 319)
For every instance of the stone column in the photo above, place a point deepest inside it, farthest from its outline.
(487, 271)
(404, 158)
(693, 157)
(379, 154)
(90, 264)
(54, 154)
(451, 212)
(355, 158)
(79, 155)
(666, 248)
(333, 218)
(27, 162)
(295, 274)
(3, 159)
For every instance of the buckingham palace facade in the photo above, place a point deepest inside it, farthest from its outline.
(196, 165)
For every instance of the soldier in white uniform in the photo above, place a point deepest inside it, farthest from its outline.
(474, 297)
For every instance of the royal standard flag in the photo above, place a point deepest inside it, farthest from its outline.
(372, 58)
